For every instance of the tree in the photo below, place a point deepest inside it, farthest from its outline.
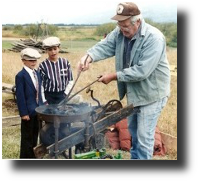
(40, 30)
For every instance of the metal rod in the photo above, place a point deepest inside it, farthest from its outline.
(78, 75)
(56, 126)
(82, 89)
(86, 135)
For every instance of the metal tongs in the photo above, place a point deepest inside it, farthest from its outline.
(65, 100)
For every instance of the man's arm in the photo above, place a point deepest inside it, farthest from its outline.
(107, 78)
(102, 50)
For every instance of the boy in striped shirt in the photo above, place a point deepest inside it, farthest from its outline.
(56, 73)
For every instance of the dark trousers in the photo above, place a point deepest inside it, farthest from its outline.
(29, 136)
(54, 97)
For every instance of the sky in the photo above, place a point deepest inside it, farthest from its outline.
(75, 11)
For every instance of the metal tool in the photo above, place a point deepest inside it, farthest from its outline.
(91, 91)
(78, 75)
(66, 100)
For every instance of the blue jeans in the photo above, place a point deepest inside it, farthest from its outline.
(142, 129)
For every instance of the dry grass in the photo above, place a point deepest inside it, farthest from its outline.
(11, 64)
(9, 107)
(11, 142)
(10, 34)
(168, 118)
(172, 55)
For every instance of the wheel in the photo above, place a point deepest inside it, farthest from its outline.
(113, 105)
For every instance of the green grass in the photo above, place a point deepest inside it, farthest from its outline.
(78, 45)
(6, 44)
(76, 32)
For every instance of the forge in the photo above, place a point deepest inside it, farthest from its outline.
(81, 125)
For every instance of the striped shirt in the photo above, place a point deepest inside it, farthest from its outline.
(55, 75)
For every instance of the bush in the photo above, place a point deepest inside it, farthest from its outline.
(104, 29)
(168, 29)
(30, 30)
(7, 28)
(40, 30)
(18, 28)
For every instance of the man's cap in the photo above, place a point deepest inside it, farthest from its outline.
(126, 10)
(30, 54)
(51, 42)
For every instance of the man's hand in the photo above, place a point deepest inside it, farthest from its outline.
(83, 64)
(26, 117)
(107, 78)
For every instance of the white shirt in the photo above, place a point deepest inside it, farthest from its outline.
(30, 72)
(68, 88)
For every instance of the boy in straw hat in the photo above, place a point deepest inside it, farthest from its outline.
(28, 87)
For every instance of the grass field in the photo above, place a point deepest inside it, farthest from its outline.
(11, 65)
(69, 45)
(6, 44)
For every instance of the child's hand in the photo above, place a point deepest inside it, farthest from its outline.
(26, 117)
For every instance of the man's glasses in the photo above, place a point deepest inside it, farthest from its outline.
(126, 27)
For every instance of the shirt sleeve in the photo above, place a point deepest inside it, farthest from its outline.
(68, 87)
(70, 79)
(42, 94)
